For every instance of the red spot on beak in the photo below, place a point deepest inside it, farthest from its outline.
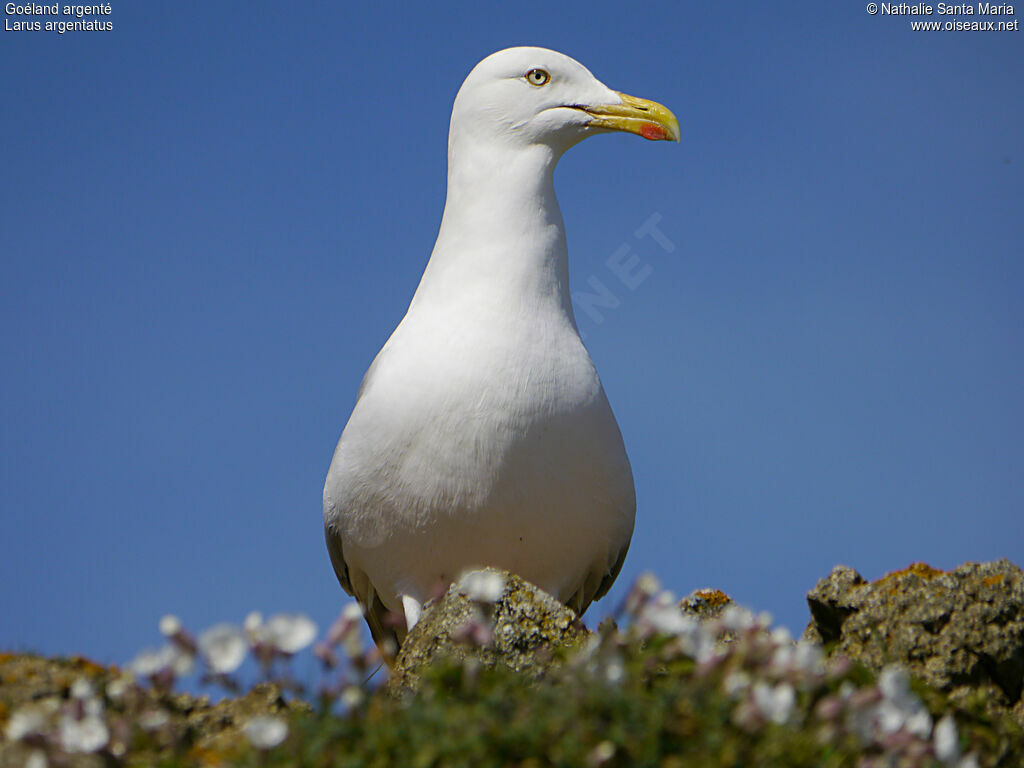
(652, 131)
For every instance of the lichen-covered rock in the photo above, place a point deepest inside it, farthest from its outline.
(705, 603)
(491, 616)
(187, 724)
(960, 631)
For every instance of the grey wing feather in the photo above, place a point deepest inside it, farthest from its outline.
(613, 574)
(338, 559)
(387, 636)
(590, 592)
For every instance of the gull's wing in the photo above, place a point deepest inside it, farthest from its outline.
(612, 575)
(383, 625)
(597, 586)
(386, 634)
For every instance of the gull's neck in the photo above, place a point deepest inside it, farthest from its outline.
(502, 238)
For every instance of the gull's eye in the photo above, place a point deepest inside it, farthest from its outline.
(537, 77)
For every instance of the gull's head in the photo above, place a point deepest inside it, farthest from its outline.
(524, 96)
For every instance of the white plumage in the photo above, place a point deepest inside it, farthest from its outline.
(481, 435)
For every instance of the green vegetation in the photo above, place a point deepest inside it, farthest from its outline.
(668, 690)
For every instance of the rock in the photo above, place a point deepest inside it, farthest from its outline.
(191, 724)
(705, 603)
(960, 631)
(494, 617)
(217, 727)
(708, 604)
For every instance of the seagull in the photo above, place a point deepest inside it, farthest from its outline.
(481, 434)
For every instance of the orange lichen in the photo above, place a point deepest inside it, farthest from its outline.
(712, 597)
(995, 578)
(208, 756)
(88, 666)
(921, 570)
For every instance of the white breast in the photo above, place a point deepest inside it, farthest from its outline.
(483, 444)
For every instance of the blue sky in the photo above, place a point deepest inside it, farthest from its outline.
(214, 215)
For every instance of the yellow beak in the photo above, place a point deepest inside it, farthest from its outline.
(645, 118)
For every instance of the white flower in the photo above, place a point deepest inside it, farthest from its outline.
(170, 625)
(614, 670)
(699, 642)
(662, 614)
(92, 707)
(602, 753)
(153, 719)
(919, 722)
(775, 703)
(702, 646)
(803, 657)
(899, 707)
(82, 689)
(252, 623)
(148, 662)
(353, 644)
(735, 683)
(288, 633)
(346, 630)
(483, 586)
(352, 696)
(36, 759)
(86, 735)
(182, 663)
(644, 588)
(265, 732)
(894, 683)
(782, 658)
(782, 636)
(223, 647)
(890, 717)
(809, 658)
(946, 740)
(647, 584)
(736, 618)
(118, 687)
(25, 722)
(170, 657)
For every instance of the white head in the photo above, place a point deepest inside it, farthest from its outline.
(524, 96)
